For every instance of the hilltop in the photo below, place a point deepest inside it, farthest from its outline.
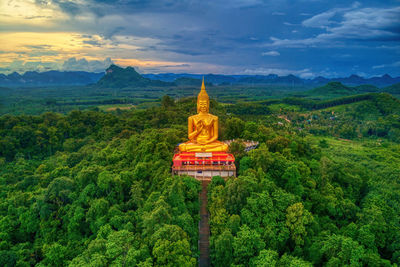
(117, 77)
(337, 89)
(333, 88)
(393, 89)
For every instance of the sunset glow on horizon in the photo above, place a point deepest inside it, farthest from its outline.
(243, 37)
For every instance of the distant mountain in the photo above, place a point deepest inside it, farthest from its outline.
(124, 77)
(320, 80)
(117, 77)
(269, 79)
(384, 80)
(187, 81)
(352, 80)
(210, 78)
(49, 78)
(190, 82)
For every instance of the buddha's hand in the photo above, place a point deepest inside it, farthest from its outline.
(199, 125)
(202, 142)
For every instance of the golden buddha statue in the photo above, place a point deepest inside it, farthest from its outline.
(203, 128)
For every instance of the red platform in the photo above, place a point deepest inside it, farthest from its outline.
(204, 165)
(201, 158)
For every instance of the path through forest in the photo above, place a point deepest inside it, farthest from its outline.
(204, 227)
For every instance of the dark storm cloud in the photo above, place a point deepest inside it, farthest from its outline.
(247, 35)
(140, 6)
(106, 7)
(68, 7)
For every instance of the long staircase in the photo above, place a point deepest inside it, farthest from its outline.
(204, 227)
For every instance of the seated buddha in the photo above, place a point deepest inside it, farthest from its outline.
(203, 128)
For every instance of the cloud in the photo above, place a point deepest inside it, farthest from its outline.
(242, 3)
(38, 17)
(290, 24)
(69, 7)
(349, 24)
(73, 64)
(23, 66)
(394, 64)
(322, 20)
(38, 47)
(38, 51)
(270, 53)
(92, 42)
(175, 66)
(202, 36)
(325, 19)
(342, 56)
(109, 33)
(101, 8)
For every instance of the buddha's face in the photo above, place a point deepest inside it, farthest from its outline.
(202, 106)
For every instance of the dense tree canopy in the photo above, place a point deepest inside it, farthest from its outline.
(297, 203)
(94, 188)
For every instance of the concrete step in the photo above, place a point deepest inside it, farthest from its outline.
(204, 227)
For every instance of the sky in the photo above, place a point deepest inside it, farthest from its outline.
(307, 38)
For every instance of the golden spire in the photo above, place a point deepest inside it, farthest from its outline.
(203, 93)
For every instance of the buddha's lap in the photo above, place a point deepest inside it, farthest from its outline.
(215, 146)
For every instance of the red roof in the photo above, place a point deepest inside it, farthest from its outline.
(193, 158)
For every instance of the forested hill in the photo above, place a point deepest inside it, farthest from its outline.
(117, 77)
(94, 188)
(40, 136)
(337, 89)
(393, 89)
(334, 88)
(96, 191)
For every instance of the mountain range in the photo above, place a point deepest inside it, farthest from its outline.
(124, 77)
(352, 80)
(49, 78)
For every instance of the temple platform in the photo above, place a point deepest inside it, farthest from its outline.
(204, 165)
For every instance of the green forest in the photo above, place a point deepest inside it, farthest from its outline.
(94, 188)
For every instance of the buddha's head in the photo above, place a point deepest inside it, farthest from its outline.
(203, 101)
